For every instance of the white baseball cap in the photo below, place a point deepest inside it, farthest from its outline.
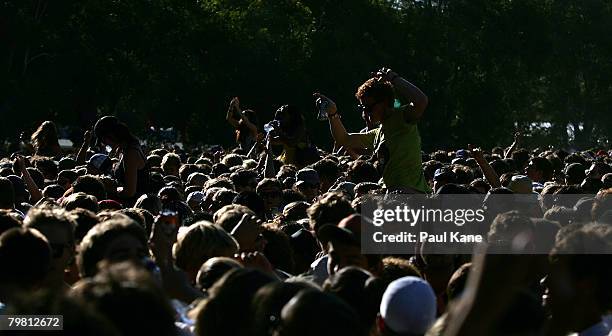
(408, 306)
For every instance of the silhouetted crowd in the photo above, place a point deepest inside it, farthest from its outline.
(265, 238)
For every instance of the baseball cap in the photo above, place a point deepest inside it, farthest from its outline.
(462, 153)
(347, 187)
(196, 196)
(308, 176)
(101, 162)
(408, 306)
(444, 173)
(459, 161)
(348, 231)
(521, 184)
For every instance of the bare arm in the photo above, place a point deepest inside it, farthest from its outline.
(35, 193)
(269, 170)
(512, 148)
(230, 113)
(408, 92)
(84, 147)
(339, 133)
(486, 168)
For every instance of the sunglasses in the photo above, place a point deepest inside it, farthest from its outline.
(367, 108)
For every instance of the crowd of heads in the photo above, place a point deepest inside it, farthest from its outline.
(217, 243)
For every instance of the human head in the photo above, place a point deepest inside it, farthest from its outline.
(290, 118)
(244, 180)
(7, 194)
(171, 163)
(230, 297)
(25, 259)
(307, 182)
(57, 225)
(112, 132)
(91, 185)
(80, 200)
(270, 190)
(200, 242)
(268, 302)
(343, 245)
(112, 240)
(362, 171)
(213, 269)
(99, 164)
(328, 172)
(360, 290)
(578, 288)
(375, 97)
(408, 307)
(128, 296)
(44, 137)
(329, 209)
(574, 173)
(334, 317)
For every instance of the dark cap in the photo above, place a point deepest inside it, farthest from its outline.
(444, 174)
(348, 231)
(101, 162)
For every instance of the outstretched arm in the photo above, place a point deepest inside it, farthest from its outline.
(339, 133)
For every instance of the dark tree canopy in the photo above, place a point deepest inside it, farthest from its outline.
(489, 67)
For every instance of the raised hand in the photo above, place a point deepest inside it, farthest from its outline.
(475, 152)
(385, 74)
(87, 137)
(20, 160)
(255, 260)
(331, 106)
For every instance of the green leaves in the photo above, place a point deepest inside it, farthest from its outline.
(486, 65)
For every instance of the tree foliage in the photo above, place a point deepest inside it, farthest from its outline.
(489, 67)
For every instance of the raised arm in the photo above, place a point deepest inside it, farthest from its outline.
(417, 100)
(81, 156)
(230, 117)
(339, 133)
(512, 148)
(486, 168)
(35, 193)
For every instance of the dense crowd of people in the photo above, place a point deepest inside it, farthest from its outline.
(265, 238)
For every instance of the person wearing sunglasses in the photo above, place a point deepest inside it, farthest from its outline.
(395, 140)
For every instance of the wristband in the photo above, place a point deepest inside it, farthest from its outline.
(334, 116)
